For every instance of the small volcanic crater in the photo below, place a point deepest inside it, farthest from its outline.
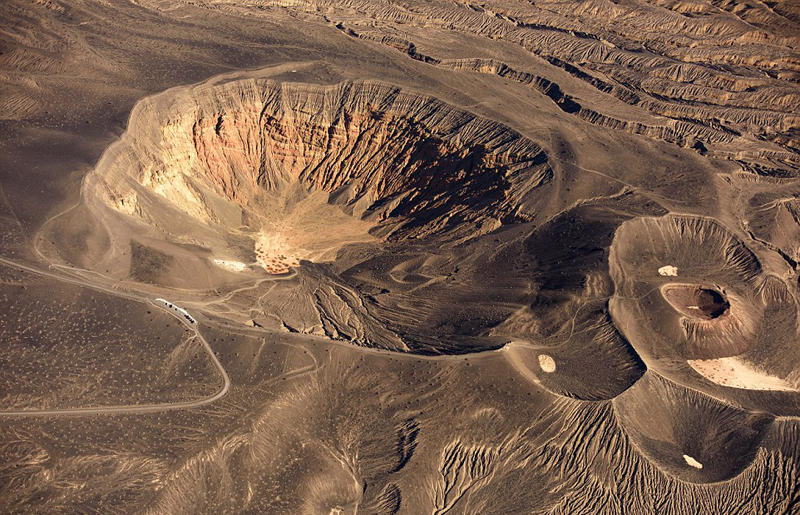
(711, 303)
(687, 434)
(705, 303)
(713, 312)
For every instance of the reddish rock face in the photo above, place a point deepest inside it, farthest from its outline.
(371, 147)
(373, 154)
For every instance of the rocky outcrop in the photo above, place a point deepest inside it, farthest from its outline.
(264, 175)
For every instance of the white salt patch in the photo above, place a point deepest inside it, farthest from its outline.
(668, 271)
(692, 462)
(734, 372)
(546, 363)
(233, 266)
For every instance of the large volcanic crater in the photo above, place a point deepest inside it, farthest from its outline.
(232, 155)
(375, 203)
(367, 213)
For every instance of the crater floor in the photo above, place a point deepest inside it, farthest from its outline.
(399, 257)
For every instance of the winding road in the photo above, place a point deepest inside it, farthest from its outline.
(131, 408)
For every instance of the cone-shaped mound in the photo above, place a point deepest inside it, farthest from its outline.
(596, 363)
(706, 306)
(687, 434)
(696, 304)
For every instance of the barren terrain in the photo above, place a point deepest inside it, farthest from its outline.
(344, 256)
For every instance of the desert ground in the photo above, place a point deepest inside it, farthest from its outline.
(399, 256)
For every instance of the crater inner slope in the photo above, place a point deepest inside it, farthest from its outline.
(297, 171)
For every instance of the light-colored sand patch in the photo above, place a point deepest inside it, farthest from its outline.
(668, 271)
(299, 225)
(233, 266)
(276, 255)
(522, 360)
(692, 462)
(736, 373)
(547, 363)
